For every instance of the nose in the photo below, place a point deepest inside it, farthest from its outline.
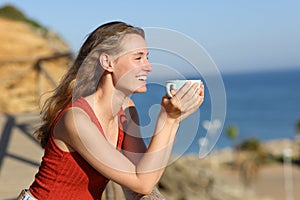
(148, 67)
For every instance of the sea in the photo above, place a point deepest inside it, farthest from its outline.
(263, 104)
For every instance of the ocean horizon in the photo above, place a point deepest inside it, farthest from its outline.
(262, 104)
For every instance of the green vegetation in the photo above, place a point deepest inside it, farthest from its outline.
(298, 140)
(250, 144)
(232, 132)
(298, 126)
(12, 13)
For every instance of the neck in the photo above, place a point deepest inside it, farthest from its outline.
(108, 100)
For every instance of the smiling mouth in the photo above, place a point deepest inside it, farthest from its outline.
(142, 78)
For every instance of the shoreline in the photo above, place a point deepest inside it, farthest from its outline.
(274, 147)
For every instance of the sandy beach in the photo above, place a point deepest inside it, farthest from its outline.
(270, 184)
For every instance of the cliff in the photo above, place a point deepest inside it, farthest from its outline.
(22, 43)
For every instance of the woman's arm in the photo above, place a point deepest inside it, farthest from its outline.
(134, 147)
(84, 137)
(77, 130)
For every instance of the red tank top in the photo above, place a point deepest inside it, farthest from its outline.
(66, 175)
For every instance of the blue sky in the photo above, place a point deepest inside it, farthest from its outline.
(238, 35)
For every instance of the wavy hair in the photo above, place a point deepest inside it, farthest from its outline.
(83, 76)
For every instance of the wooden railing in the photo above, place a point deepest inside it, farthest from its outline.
(38, 67)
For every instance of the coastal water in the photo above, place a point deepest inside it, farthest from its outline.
(264, 105)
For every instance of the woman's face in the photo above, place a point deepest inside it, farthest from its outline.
(131, 67)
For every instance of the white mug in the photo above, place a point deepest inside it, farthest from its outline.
(177, 84)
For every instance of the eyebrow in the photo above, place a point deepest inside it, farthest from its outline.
(140, 53)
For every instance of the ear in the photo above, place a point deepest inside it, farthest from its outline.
(105, 62)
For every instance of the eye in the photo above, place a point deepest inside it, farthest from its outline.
(138, 58)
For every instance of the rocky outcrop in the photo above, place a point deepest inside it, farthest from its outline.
(187, 178)
(191, 178)
(21, 45)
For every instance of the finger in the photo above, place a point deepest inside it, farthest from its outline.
(186, 97)
(192, 92)
(197, 99)
(173, 92)
(193, 101)
(194, 107)
(182, 91)
(194, 104)
(189, 112)
(202, 90)
(190, 99)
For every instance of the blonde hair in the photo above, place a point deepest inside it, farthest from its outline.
(83, 76)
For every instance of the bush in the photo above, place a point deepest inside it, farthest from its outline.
(251, 144)
(298, 126)
(12, 13)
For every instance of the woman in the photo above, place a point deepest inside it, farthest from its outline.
(90, 128)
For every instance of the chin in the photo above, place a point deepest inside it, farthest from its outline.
(141, 90)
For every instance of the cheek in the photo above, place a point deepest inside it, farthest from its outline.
(122, 76)
(125, 71)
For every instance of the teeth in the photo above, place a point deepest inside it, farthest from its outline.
(142, 78)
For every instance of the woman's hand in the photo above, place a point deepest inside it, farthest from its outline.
(184, 102)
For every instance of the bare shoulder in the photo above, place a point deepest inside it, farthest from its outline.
(73, 113)
(71, 118)
(65, 130)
